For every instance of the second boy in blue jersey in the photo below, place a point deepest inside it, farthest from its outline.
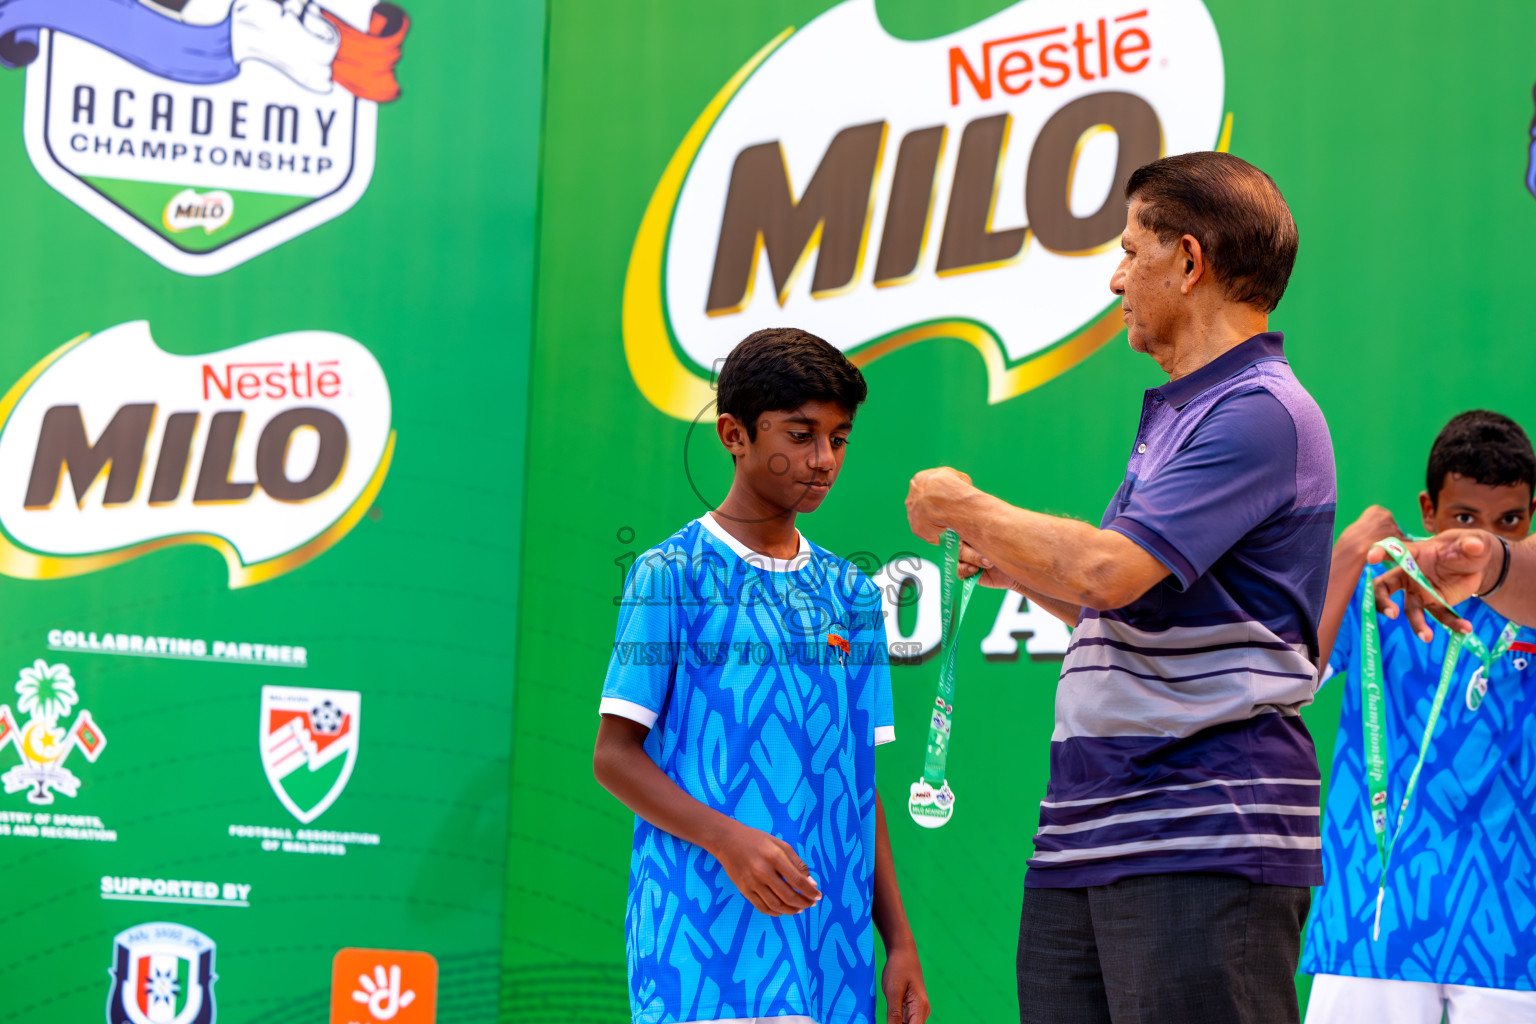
(1458, 925)
(748, 688)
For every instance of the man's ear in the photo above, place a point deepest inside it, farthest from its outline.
(732, 434)
(1427, 510)
(1192, 260)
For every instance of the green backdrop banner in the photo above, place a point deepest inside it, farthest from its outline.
(933, 189)
(283, 403)
(261, 478)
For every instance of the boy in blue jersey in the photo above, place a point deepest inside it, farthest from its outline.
(748, 688)
(1458, 924)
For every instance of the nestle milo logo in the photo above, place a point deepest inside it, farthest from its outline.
(111, 449)
(881, 192)
(189, 209)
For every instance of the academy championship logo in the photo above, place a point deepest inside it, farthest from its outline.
(880, 192)
(45, 695)
(308, 745)
(162, 973)
(205, 132)
(269, 452)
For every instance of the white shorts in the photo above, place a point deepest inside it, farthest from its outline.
(1339, 1000)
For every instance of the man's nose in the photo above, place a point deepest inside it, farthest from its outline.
(1117, 281)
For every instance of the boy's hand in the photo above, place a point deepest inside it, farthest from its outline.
(906, 997)
(1457, 562)
(768, 872)
(1374, 524)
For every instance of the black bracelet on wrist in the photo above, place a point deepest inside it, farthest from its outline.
(1504, 572)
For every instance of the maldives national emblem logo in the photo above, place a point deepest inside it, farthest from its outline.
(46, 694)
(309, 745)
(205, 132)
(162, 973)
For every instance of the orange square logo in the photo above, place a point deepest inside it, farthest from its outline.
(383, 986)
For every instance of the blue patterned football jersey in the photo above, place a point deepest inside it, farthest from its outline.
(766, 685)
(1461, 891)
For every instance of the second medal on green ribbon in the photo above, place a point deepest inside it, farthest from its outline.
(932, 802)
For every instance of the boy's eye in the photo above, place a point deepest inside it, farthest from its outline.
(1513, 519)
(1464, 518)
(839, 442)
(799, 435)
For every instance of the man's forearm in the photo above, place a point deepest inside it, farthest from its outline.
(1063, 560)
(1066, 611)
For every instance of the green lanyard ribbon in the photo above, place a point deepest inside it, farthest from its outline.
(1374, 697)
(932, 801)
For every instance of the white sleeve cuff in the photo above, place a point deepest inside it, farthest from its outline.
(885, 734)
(635, 712)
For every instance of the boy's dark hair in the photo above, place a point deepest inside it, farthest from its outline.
(783, 368)
(1245, 229)
(1485, 447)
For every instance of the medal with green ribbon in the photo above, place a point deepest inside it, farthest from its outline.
(932, 802)
(1373, 699)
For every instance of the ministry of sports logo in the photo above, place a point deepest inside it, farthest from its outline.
(162, 973)
(882, 192)
(205, 132)
(309, 742)
(46, 694)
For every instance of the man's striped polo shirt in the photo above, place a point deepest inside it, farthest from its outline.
(1179, 744)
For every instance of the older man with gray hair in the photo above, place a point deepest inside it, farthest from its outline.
(1179, 834)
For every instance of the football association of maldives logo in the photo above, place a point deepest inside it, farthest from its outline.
(205, 132)
(309, 745)
(162, 973)
(46, 694)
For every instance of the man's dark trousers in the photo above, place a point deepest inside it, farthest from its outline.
(1161, 949)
